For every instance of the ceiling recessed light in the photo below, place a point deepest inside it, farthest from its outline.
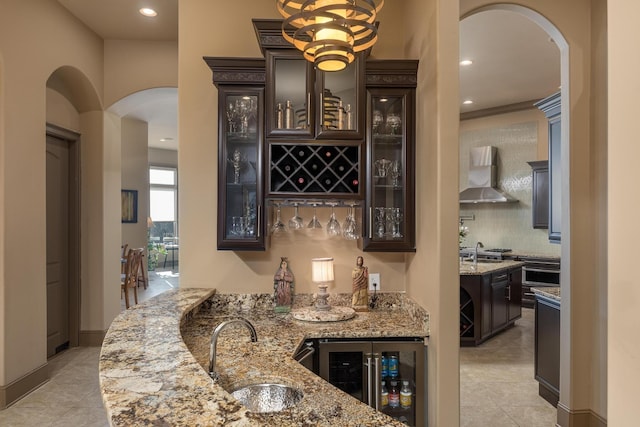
(384, 99)
(167, 139)
(467, 102)
(466, 62)
(147, 11)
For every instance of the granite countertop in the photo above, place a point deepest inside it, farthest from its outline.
(154, 360)
(551, 292)
(467, 268)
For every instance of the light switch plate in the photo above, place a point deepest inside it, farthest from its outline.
(374, 278)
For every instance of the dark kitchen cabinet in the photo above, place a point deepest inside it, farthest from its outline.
(499, 305)
(240, 84)
(390, 169)
(540, 193)
(514, 294)
(547, 348)
(551, 108)
(489, 303)
(305, 103)
(315, 138)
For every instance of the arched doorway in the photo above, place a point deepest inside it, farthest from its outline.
(554, 34)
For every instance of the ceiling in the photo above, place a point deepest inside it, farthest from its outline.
(514, 60)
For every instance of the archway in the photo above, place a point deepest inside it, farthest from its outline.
(563, 48)
(69, 94)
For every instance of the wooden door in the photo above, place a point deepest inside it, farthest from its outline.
(57, 245)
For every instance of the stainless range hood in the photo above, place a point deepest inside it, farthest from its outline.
(482, 178)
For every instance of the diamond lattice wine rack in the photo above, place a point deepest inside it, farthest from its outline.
(311, 169)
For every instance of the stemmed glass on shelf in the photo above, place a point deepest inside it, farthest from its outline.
(333, 226)
(278, 226)
(314, 223)
(296, 222)
(350, 228)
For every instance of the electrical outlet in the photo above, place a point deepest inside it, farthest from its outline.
(374, 282)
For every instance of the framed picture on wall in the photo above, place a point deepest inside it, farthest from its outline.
(129, 206)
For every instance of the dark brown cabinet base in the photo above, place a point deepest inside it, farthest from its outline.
(489, 303)
(547, 348)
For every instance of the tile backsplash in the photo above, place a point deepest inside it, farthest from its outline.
(505, 225)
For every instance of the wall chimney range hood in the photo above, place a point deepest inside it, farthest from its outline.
(482, 178)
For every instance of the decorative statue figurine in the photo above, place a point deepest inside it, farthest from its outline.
(360, 287)
(283, 287)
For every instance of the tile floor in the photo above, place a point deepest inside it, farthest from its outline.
(497, 387)
(496, 382)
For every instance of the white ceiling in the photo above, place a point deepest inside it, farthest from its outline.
(514, 59)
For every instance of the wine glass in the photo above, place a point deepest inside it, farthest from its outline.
(296, 222)
(350, 229)
(395, 173)
(380, 221)
(314, 223)
(394, 217)
(278, 226)
(333, 226)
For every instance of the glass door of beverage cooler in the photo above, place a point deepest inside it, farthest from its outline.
(403, 372)
(359, 368)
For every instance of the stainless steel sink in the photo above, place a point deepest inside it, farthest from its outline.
(268, 397)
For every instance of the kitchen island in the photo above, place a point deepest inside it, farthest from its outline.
(490, 298)
(152, 364)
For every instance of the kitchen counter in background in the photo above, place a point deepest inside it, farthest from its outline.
(148, 376)
(467, 268)
(548, 292)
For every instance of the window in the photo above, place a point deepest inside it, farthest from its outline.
(163, 204)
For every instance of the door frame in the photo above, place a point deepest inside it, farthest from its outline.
(73, 139)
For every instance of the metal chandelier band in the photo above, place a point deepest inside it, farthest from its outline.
(330, 32)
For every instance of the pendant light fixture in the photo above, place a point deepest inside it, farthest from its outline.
(330, 32)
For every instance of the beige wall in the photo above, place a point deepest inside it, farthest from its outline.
(36, 38)
(158, 157)
(518, 137)
(135, 176)
(432, 277)
(134, 65)
(624, 175)
(245, 271)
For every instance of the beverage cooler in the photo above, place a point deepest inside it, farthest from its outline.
(389, 375)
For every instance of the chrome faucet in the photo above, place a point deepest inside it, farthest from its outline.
(214, 341)
(475, 255)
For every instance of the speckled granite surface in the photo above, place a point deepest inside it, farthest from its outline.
(467, 268)
(551, 292)
(148, 376)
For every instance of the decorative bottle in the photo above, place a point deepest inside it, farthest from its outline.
(279, 116)
(405, 395)
(384, 396)
(288, 116)
(349, 117)
(394, 395)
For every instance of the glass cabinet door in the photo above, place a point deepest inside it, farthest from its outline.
(290, 99)
(390, 183)
(240, 221)
(340, 93)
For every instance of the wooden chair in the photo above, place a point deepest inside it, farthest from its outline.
(123, 257)
(129, 279)
(142, 273)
